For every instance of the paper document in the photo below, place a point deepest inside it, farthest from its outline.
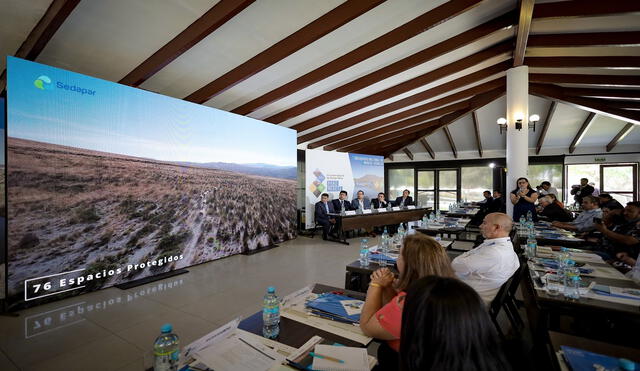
(209, 339)
(350, 212)
(354, 359)
(235, 353)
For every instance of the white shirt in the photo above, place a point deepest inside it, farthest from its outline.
(487, 267)
(551, 190)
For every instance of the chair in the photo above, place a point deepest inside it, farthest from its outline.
(511, 303)
(499, 302)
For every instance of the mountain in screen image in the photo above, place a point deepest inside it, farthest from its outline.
(370, 184)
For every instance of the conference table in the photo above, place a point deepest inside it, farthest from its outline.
(546, 235)
(558, 339)
(443, 228)
(371, 218)
(465, 212)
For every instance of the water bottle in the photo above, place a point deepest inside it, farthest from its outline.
(529, 216)
(364, 253)
(635, 272)
(384, 248)
(425, 220)
(166, 350)
(271, 314)
(450, 207)
(572, 289)
(532, 246)
(401, 232)
(521, 225)
(438, 214)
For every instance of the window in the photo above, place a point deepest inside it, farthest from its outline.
(399, 180)
(476, 180)
(551, 173)
(447, 188)
(618, 180)
(579, 171)
(426, 188)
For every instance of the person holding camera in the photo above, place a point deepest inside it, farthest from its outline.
(585, 220)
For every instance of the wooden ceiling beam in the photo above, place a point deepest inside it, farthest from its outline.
(413, 99)
(603, 80)
(379, 145)
(332, 20)
(210, 21)
(55, 15)
(581, 132)
(556, 93)
(603, 93)
(408, 153)
(451, 142)
(360, 83)
(390, 157)
(405, 86)
(395, 137)
(623, 104)
(545, 126)
(620, 136)
(426, 146)
(585, 39)
(476, 127)
(524, 25)
(582, 8)
(565, 62)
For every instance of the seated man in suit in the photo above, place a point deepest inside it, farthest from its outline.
(497, 204)
(341, 203)
(380, 202)
(323, 208)
(405, 200)
(360, 203)
(552, 211)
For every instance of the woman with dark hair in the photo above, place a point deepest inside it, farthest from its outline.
(420, 256)
(523, 199)
(445, 326)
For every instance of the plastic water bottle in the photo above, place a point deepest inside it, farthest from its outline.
(438, 214)
(364, 253)
(529, 216)
(271, 314)
(635, 272)
(384, 248)
(401, 232)
(425, 220)
(166, 350)
(572, 289)
(532, 246)
(522, 225)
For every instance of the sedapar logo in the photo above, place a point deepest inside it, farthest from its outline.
(44, 83)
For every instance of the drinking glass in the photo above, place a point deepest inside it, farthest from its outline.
(553, 284)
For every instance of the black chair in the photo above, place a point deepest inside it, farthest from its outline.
(499, 302)
(511, 304)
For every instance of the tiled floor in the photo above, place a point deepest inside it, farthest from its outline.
(114, 329)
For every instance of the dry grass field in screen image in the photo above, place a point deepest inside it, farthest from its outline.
(73, 208)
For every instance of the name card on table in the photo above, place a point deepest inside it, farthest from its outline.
(382, 210)
(366, 211)
(411, 207)
(396, 208)
(350, 212)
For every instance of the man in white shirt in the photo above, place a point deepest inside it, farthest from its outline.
(546, 188)
(491, 264)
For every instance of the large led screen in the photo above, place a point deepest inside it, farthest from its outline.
(108, 183)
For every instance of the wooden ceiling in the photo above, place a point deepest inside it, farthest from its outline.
(367, 76)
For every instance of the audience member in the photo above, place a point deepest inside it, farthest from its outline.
(581, 191)
(555, 199)
(624, 237)
(381, 315)
(342, 203)
(523, 199)
(584, 220)
(609, 202)
(360, 202)
(446, 327)
(323, 208)
(498, 204)
(547, 189)
(405, 199)
(596, 190)
(380, 202)
(487, 198)
(552, 211)
(485, 205)
(491, 264)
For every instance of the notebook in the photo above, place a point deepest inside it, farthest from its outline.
(355, 359)
(582, 360)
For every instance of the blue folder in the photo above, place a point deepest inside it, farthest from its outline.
(330, 305)
(633, 294)
(582, 360)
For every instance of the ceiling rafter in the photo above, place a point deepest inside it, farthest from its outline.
(577, 8)
(426, 146)
(620, 136)
(210, 21)
(49, 23)
(330, 21)
(563, 62)
(411, 100)
(396, 36)
(451, 142)
(631, 38)
(545, 126)
(581, 132)
(405, 86)
(408, 153)
(380, 144)
(476, 127)
(604, 80)
(390, 157)
(373, 141)
(395, 68)
(556, 93)
(603, 93)
(524, 25)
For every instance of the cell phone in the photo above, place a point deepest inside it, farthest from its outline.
(597, 220)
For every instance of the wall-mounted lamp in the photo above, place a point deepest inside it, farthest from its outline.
(492, 165)
(519, 116)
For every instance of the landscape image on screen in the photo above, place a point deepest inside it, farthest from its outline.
(102, 176)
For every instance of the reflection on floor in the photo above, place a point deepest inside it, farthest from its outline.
(114, 329)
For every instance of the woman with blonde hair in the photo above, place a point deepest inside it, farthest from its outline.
(381, 316)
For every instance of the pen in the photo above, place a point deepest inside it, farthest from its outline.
(316, 355)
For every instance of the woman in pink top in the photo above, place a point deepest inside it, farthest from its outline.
(381, 316)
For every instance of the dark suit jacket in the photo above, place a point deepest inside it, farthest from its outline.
(338, 208)
(407, 202)
(321, 212)
(555, 213)
(356, 205)
(496, 205)
(377, 204)
(580, 193)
